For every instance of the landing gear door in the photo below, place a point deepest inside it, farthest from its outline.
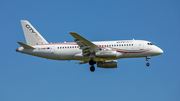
(141, 45)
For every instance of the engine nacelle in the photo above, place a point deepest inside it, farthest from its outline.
(108, 54)
(107, 64)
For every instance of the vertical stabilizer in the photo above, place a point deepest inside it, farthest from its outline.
(31, 34)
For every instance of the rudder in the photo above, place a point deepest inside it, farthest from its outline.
(31, 34)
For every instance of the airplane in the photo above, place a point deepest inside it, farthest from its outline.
(102, 53)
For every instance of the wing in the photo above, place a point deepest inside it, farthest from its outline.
(88, 48)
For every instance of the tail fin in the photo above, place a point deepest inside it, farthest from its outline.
(31, 34)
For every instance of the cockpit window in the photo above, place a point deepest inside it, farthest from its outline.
(150, 43)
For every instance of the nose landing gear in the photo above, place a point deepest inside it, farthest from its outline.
(92, 62)
(147, 63)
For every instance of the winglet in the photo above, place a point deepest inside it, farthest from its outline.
(25, 45)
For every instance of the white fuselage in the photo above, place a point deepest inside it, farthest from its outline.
(71, 51)
(102, 53)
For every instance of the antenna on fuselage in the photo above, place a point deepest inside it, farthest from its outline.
(64, 41)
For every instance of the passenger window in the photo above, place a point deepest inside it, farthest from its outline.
(124, 44)
(114, 45)
(127, 44)
(109, 45)
(132, 44)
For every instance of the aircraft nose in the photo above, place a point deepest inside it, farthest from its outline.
(160, 51)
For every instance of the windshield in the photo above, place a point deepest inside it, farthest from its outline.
(150, 43)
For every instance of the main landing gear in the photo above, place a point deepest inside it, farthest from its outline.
(147, 63)
(92, 62)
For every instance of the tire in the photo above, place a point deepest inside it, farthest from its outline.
(91, 62)
(92, 68)
(147, 64)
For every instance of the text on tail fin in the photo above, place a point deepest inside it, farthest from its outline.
(31, 34)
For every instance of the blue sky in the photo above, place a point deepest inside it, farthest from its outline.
(28, 78)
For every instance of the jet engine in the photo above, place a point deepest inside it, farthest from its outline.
(107, 64)
(108, 54)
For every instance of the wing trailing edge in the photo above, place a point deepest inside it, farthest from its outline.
(87, 47)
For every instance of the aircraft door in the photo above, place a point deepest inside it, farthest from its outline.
(52, 49)
(145, 45)
(141, 45)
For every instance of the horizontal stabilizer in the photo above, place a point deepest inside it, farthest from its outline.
(25, 45)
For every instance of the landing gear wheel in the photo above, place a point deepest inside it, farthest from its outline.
(92, 62)
(92, 68)
(147, 64)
